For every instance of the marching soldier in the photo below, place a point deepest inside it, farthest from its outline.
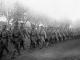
(16, 39)
(33, 37)
(4, 40)
(47, 40)
(43, 36)
(23, 35)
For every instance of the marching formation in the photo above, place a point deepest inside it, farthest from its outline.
(33, 37)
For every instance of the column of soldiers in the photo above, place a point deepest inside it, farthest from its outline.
(14, 36)
(37, 37)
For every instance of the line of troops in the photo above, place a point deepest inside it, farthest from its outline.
(33, 37)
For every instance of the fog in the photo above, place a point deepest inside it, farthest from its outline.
(59, 10)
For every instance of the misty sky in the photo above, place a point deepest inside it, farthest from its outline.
(56, 9)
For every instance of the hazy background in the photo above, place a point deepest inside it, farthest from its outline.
(59, 10)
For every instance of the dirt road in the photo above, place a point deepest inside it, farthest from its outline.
(68, 48)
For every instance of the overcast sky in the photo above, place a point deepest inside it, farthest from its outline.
(56, 9)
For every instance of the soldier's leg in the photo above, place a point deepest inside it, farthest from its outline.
(13, 54)
(64, 37)
(31, 44)
(47, 41)
(22, 44)
(43, 41)
(61, 39)
(37, 43)
(18, 49)
(5, 47)
(34, 42)
(16, 45)
(57, 39)
(1, 53)
(50, 41)
(40, 44)
(14, 50)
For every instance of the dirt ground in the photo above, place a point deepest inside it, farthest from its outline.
(60, 50)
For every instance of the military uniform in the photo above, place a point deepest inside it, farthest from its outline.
(42, 35)
(23, 36)
(4, 41)
(16, 40)
(33, 37)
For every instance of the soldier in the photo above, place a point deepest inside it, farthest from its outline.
(38, 37)
(23, 35)
(16, 39)
(4, 40)
(33, 37)
(47, 40)
(43, 36)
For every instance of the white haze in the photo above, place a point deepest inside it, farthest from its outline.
(61, 10)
